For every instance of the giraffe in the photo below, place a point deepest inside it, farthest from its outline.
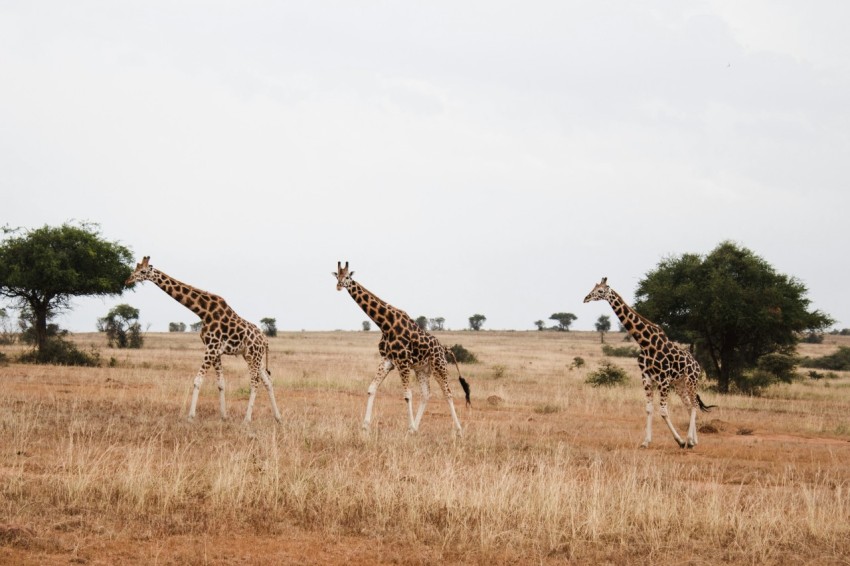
(406, 347)
(662, 363)
(223, 332)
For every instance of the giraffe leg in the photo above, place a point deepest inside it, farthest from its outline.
(663, 404)
(647, 387)
(692, 429)
(408, 397)
(220, 382)
(268, 383)
(687, 392)
(425, 386)
(251, 397)
(384, 368)
(447, 393)
(199, 379)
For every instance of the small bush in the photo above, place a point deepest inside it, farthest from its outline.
(61, 353)
(755, 382)
(780, 365)
(770, 369)
(578, 362)
(838, 361)
(607, 375)
(621, 352)
(4, 360)
(813, 338)
(462, 355)
(499, 371)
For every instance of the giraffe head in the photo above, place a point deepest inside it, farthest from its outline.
(343, 276)
(601, 291)
(141, 273)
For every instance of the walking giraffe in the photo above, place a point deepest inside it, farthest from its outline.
(223, 332)
(662, 363)
(404, 346)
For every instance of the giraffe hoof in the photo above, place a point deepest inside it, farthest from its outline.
(681, 443)
(644, 445)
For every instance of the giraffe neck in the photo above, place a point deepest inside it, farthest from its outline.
(373, 306)
(199, 302)
(387, 317)
(635, 324)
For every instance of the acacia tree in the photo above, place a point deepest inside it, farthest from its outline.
(476, 321)
(44, 268)
(564, 319)
(437, 323)
(422, 322)
(122, 328)
(603, 325)
(731, 305)
(269, 326)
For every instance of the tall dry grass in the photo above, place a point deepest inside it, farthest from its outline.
(548, 469)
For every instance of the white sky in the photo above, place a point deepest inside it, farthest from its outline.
(464, 157)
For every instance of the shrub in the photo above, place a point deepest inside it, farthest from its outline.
(607, 375)
(578, 362)
(61, 353)
(813, 338)
(837, 361)
(755, 382)
(620, 352)
(462, 355)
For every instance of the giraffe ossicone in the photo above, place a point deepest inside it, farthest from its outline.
(223, 332)
(662, 363)
(406, 347)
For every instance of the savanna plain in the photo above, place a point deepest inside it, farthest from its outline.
(100, 466)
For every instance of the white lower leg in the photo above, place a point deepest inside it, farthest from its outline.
(408, 399)
(268, 383)
(455, 420)
(426, 394)
(196, 389)
(692, 428)
(251, 398)
(221, 404)
(671, 427)
(370, 401)
(647, 438)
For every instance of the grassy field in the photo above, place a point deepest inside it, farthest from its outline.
(99, 466)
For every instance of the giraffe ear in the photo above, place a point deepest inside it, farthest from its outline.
(351, 274)
(335, 275)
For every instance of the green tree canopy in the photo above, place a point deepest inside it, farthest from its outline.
(564, 319)
(731, 305)
(603, 325)
(422, 322)
(122, 327)
(43, 269)
(269, 326)
(476, 321)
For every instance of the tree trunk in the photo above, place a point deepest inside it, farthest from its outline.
(39, 312)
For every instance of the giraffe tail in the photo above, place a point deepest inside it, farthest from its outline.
(463, 383)
(268, 371)
(703, 407)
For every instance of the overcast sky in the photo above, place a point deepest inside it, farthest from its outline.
(464, 157)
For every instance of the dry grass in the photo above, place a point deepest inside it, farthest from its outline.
(99, 466)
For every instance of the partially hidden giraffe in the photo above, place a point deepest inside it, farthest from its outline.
(406, 347)
(662, 362)
(223, 332)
